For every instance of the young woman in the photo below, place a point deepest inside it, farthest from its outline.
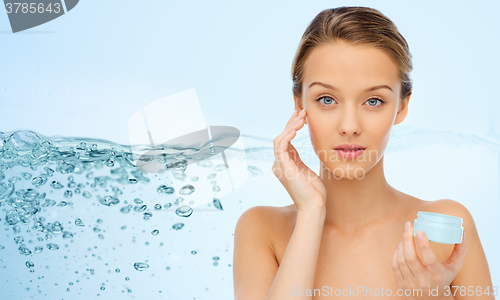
(349, 233)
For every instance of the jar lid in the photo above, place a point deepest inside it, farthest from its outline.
(439, 228)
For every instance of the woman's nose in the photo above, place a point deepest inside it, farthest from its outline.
(349, 123)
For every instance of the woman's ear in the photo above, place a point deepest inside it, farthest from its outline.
(402, 110)
(298, 106)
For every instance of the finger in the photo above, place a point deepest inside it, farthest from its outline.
(296, 116)
(395, 268)
(411, 258)
(405, 270)
(295, 157)
(456, 258)
(281, 143)
(429, 258)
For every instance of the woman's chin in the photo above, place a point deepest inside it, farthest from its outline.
(353, 170)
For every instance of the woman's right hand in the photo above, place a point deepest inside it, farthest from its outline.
(304, 186)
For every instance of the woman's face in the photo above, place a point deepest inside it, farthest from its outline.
(341, 108)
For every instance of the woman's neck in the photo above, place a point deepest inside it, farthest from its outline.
(352, 204)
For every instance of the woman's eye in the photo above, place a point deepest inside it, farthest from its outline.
(328, 100)
(371, 102)
(374, 102)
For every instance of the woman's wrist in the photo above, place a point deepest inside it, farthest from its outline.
(316, 209)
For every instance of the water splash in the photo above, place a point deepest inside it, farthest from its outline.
(42, 179)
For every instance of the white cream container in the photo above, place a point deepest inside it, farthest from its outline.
(439, 228)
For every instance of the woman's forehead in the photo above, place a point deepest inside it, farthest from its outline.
(342, 62)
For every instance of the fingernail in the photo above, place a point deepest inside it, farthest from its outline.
(420, 235)
(303, 110)
(294, 112)
(407, 226)
(301, 120)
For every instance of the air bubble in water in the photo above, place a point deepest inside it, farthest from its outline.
(155, 232)
(140, 208)
(79, 222)
(38, 181)
(49, 171)
(178, 166)
(26, 175)
(157, 206)
(30, 264)
(24, 250)
(184, 211)
(52, 246)
(141, 266)
(109, 201)
(22, 142)
(147, 215)
(163, 189)
(217, 203)
(126, 209)
(56, 227)
(187, 190)
(56, 185)
(177, 226)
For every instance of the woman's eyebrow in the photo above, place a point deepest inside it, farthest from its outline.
(382, 86)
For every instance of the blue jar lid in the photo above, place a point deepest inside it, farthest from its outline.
(439, 228)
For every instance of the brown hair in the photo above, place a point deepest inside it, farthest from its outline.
(359, 26)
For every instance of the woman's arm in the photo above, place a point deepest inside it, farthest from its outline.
(256, 274)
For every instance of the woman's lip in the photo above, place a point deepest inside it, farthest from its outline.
(350, 154)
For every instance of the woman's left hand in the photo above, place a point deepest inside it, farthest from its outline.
(427, 273)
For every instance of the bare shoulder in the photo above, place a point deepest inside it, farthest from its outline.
(268, 220)
(263, 214)
(254, 259)
(450, 207)
(474, 269)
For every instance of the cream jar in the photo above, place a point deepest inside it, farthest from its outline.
(439, 228)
